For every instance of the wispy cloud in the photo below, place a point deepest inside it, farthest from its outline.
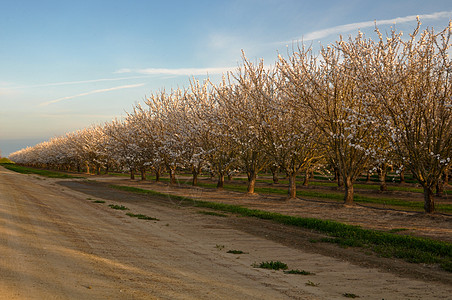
(92, 92)
(178, 72)
(316, 35)
(75, 82)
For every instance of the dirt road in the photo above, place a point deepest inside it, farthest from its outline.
(56, 243)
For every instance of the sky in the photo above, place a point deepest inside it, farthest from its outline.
(66, 65)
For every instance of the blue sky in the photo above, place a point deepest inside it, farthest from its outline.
(65, 65)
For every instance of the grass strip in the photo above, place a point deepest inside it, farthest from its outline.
(5, 160)
(27, 170)
(338, 197)
(409, 248)
(141, 217)
(211, 213)
(118, 207)
(272, 265)
(298, 272)
(236, 252)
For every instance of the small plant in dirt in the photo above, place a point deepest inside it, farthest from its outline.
(298, 272)
(350, 295)
(120, 207)
(272, 265)
(141, 217)
(310, 283)
(98, 201)
(237, 252)
(219, 247)
(394, 230)
(211, 213)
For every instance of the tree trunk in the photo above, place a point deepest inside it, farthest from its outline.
(157, 174)
(429, 202)
(195, 173)
(107, 169)
(132, 173)
(87, 168)
(274, 170)
(368, 177)
(292, 185)
(143, 174)
(382, 177)
(172, 174)
(338, 178)
(348, 198)
(251, 182)
(220, 183)
(97, 169)
(230, 177)
(402, 176)
(439, 188)
(446, 176)
(306, 178)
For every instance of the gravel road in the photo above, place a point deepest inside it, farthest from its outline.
(56, 243)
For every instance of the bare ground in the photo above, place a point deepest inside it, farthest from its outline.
(56, 243)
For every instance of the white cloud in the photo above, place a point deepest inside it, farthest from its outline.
(77, 82)
(180, 71)
(315, 35)
(92, 92)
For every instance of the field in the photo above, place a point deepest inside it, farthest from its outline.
(198, 241)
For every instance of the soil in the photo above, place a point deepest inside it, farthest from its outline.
(57, 243)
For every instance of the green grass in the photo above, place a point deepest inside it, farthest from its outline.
(98, 201)
(236, 252)
(350, 295)
(142, 217)
(5, 160)
(272, 265)
(310, 283)
(394, 230)
(46, 173)
(211, 213)
(339, 196)
(298, 272)
(409, 248)
(119, 207)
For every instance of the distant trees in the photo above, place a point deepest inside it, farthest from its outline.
(355, 106)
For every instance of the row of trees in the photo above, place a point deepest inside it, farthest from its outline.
(357, 105)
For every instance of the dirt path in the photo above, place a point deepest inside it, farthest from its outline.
(55, 243)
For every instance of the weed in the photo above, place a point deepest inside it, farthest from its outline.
(237, 252)
(211, 213)
(98, 201)
(394, 230)
(120, 207)
(219, 247)
(272, 265)
(141, 217)
(298, 272)
(310, 283)
(350, 295)
(447, 266)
